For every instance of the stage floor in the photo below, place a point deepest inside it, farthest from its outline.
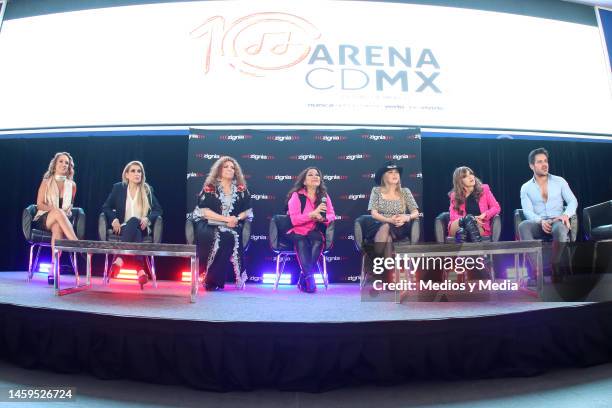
(257, 303)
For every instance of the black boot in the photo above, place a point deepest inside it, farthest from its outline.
(306, 283)
(461, 236)
(471, 227)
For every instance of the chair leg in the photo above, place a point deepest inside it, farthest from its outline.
(362, 276)
(325, 279)
(282, 270)
(151, 264)
(30, 263)
(107, 268)
(277, 276)
(35, 266)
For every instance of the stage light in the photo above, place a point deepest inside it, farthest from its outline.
(44, 267)
(186, 276)
(285, 279)
(128, 274)
(511, 272)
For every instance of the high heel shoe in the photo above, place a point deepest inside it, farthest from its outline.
(142, 278)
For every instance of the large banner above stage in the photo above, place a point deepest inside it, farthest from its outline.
(271, 160)
(303, 62)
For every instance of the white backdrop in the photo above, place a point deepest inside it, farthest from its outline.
(288, 62)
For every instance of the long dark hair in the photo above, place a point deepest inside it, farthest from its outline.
(299, 184)
(458, 188)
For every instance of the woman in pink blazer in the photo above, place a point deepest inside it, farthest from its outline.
(472, 206)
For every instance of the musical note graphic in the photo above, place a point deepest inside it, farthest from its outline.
(280, 47)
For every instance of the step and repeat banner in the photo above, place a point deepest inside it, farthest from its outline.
(314, 62)
(271, 161)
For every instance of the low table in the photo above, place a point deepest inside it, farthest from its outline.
(120, 248)
(476, 249)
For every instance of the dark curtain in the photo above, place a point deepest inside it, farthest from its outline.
(99, 162)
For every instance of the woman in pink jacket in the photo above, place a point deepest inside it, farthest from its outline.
(310, 210)
(472, 206)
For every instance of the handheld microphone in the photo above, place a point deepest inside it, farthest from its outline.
(324, 213)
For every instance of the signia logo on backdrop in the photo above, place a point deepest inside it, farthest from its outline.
(330, 138)
(259, 43)
(281, 177)
(377, 137)
(308, 156)
(207, 156)
(258, 197)
(400, 156)
(330, 177)
(258, 156)
(283, 138)
(356, 156)
(234, 138)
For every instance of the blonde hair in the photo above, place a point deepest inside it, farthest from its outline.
(215, 172)
(51, 170)
(144, 192)
(398, 189)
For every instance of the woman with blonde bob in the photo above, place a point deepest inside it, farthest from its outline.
(131, 208)
(393, 209)
(223, 205)
(55, 198)
(472, 206)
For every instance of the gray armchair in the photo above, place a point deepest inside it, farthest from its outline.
(105, 233)
(42, 238)
(362, 224)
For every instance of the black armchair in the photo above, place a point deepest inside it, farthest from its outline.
(441, 229)
(105, 233)
(598, 221)
(191, 228)
(597, 225)
(283, 247)
(361, 225)
(42, 238)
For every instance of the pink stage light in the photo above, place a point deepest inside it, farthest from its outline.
(127, 274)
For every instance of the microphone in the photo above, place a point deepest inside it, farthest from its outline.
(324, 213)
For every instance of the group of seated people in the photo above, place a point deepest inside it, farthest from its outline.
(224, 204)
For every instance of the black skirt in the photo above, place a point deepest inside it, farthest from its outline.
(397, 233)
(41, 223)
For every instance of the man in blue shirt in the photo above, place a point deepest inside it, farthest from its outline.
(542, 199)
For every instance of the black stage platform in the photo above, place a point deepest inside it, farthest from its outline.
(287, 340)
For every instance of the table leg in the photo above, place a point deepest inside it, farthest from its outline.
(194, 278)
(105, 276)
(540, 272)
(516, 268)
(88, 269)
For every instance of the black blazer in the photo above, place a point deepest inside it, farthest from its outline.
(114, 206)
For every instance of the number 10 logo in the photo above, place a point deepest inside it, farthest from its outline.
(257, 44)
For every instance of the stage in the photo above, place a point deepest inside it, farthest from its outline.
(287, 340)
